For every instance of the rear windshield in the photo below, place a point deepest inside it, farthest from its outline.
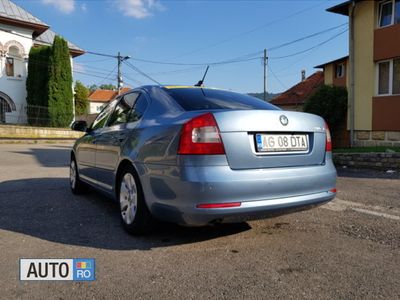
(203, 99)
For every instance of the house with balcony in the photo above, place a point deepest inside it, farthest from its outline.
(371, 72)
(19, 32)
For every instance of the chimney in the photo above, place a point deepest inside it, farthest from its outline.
(303, 75)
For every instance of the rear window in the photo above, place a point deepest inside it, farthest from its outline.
(204, 99)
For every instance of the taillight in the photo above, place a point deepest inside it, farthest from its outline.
(328, 145)
(201, 135)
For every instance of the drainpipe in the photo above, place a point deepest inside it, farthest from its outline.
(352, 72)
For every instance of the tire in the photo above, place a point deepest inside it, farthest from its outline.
(75, 183)
(135, 216)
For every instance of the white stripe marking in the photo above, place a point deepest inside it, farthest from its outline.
(379, 214)
(341, 205)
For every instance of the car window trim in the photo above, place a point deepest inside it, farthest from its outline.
(108, 117)
(146, 97)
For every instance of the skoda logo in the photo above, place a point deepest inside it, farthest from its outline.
(284, 120)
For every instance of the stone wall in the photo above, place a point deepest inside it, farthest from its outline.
(27, 132)
(379, 161)
(377, 138)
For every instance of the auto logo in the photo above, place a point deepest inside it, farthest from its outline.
(284, 120)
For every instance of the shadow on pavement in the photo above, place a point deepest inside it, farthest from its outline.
(45, 208)
(53, 157)
(367, 173)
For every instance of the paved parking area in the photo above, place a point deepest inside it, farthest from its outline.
(349, 248)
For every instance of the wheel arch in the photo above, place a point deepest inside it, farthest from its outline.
(123, 164)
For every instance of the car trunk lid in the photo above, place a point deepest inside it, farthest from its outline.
(243, 132)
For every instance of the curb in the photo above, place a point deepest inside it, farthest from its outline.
(36, 141)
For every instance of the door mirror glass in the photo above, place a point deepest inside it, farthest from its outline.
(79, 126)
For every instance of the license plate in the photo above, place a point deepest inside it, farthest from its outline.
(281, 142)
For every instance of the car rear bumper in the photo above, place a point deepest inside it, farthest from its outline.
(252, 210)
(174, 193)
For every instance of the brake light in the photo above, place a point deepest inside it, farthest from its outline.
(201, 135)
(328, 145)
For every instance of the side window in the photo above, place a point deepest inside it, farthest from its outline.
(103, 116)
(121, 112)
(139, 109)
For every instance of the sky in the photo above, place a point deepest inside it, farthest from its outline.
(180, 37)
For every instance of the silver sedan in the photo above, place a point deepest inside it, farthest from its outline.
(197, 156)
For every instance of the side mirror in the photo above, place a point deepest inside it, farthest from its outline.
(79, 126)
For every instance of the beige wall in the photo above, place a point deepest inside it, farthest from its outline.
(328, 74)
(364, 84)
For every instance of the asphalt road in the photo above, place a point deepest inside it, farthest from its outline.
(347, 249)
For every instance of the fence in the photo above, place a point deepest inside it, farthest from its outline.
(26, 114)
(33, 115)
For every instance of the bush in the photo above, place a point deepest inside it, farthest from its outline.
(81, 99)
(329, 102)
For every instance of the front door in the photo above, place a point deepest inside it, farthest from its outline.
(86, 149)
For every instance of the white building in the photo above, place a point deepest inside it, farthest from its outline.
(99, 98)
(19, 32)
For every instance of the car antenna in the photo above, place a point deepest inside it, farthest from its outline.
(200, 83)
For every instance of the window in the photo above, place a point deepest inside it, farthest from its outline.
(103, 116)
(340, 70)
(389, 13)
(389, 77)
(201, 99)
(384, 70)
(139, 109)
(10, 66)
(396, 76)
(122, 110)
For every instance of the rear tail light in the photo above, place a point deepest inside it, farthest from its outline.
(201, 135)
(328, 145)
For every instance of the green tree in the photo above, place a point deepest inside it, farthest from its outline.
(36, 85)
(60, 95)
(329, 102)
(108, 86)
(81, 99)
(92, 87)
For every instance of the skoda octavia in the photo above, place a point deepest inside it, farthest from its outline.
(197, 156)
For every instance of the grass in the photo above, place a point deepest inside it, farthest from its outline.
(366, 149)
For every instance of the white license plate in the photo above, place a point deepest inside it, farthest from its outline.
(281, 142)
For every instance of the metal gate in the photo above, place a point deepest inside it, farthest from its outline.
(4, 108)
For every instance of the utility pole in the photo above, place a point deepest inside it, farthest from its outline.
(265, 61)
(119, 76)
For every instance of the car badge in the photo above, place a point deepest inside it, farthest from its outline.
(284, 120)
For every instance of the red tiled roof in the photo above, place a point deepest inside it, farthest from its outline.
(105, 95)
(299, 93)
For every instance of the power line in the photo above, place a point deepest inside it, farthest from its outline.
(247, 32)
(311, 48)
(306, 37)
(277, 78)
(141, 72)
